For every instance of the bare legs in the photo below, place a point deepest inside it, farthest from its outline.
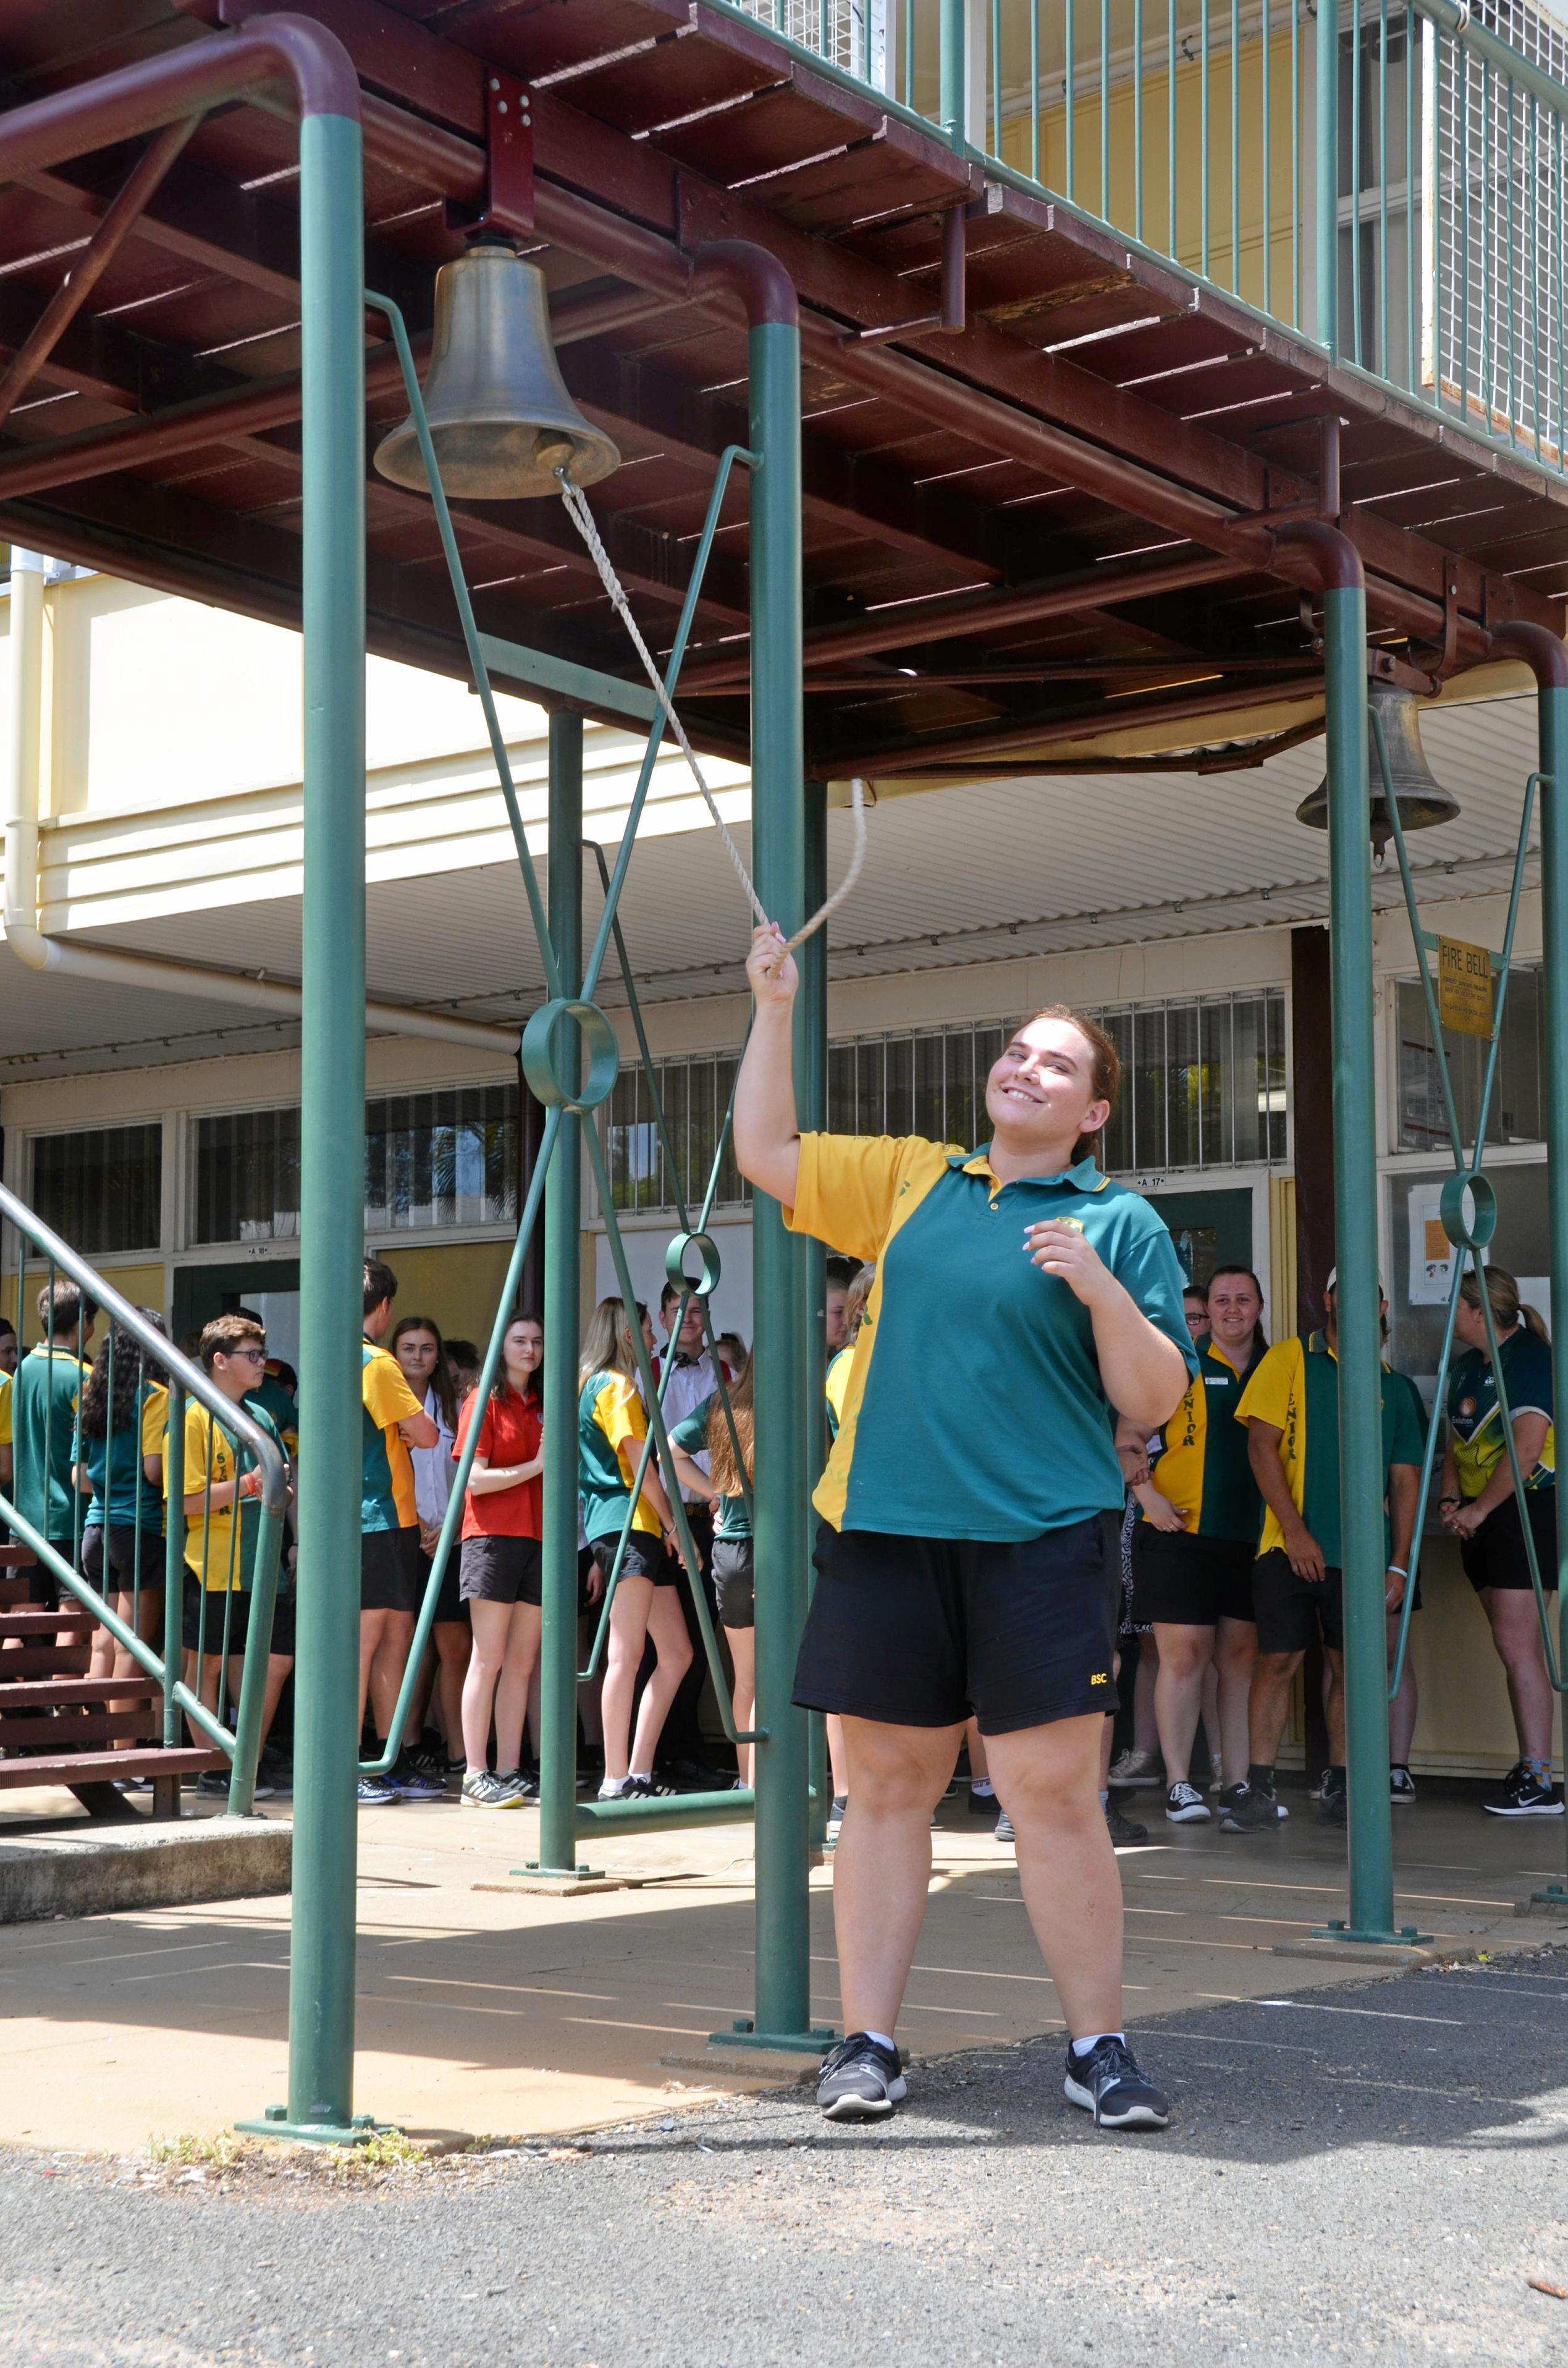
(1048, 1780)
(505, 1646)
(1516, 1632)
(742, 1642)
(641, 1611)
(384, 1640)
(1406, 1704)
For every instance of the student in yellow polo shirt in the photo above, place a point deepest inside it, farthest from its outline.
(390, 1579)
(962, 1564)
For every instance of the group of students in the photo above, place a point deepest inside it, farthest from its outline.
(1233, 1518)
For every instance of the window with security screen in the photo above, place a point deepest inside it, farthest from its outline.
(1203, 1082)
(100, 1187)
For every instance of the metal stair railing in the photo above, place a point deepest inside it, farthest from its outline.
(254, 1449)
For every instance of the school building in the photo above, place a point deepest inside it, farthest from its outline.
(159, 1132)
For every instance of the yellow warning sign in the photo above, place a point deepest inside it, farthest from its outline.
(1464, 988)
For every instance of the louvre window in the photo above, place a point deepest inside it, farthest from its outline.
(101, 1187)
(442, 1159)
(1203, 1082)
(1516, 1112)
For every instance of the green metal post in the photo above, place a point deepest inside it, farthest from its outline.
(811, 1101)
(332, 1097)
(952, 71)
(1327, 128)
(562, 1224)
(783, 1476)
(1356, 1257)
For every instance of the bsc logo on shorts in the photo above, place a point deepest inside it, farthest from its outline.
(1099, 1679)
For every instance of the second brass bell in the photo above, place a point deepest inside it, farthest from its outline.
(501, 419)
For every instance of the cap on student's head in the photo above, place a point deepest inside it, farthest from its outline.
(1334, 1276)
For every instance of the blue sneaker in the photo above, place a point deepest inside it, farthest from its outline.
(375, 1793)
(410, 1785)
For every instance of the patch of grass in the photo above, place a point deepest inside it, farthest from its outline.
(190, 2152)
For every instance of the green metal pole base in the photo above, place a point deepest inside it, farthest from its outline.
(1554, 1895)
(745, 2033)
(275, 2123)
(1337, 1928)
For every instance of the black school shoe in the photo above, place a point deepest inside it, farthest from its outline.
(1524, 1795)
(1111, 2084)
(861, 2080)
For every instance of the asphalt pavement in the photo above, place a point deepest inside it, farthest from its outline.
(1353, 2175)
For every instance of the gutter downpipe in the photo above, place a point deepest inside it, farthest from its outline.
(1337, 565)
(27, 941)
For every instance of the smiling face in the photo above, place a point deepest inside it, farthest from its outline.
(1041, 1094)
(1235, 1310)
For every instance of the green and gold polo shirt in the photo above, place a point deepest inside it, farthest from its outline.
(1203, 1466)
(1295, 1390)
(1473, 1414)
(974, 1407)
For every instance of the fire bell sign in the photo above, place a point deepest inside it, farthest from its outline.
(1464, 987)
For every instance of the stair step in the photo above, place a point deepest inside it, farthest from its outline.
(49, 1660)
(79, 1729)
(15, 1557)
(40, 1693)
(37, 1621)
(103, 1767)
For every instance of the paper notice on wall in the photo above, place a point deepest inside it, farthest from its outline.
(1431, 1252)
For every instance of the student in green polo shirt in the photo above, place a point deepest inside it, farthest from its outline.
(1291, 1407)
(1479, 1508)
(1195, 1547)
(43, 1423)
(706, 1432)
(961, 1564)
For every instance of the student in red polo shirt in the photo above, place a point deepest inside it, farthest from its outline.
(500, 1576)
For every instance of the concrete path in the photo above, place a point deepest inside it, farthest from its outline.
(1357, 2175)
(485, 2008)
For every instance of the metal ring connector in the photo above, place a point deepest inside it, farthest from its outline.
(706, 1283)
(1468, 1209)
(539, 1055)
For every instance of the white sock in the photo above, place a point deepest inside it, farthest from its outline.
(1086, 2046)
(882, 2039)
(613, 1787)
(983, 1788)
(640, 1776)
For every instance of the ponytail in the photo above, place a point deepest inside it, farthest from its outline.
(1508, 1308)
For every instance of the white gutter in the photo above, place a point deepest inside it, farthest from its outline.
(22, 767)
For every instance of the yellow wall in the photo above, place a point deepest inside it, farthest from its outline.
(1247, 278)
(145, 1286)
(457, 1285)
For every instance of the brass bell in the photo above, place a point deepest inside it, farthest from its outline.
(1422, 799)
(501, 419)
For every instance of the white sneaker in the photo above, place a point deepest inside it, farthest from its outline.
(1184, 1805)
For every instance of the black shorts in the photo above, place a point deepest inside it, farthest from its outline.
(920, 1631)
(644, 1558)
(390, 1576)
(1496, 1555)
(120, 1555)
(44, 1591)
(450, 1609)
(732, 1582)
(205, 1637)
(501, 1570)
(1190, 1582)
(1293, 1612)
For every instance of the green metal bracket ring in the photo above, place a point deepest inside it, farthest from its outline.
(1469, 1209)
(705, 1284)
(545, 1081)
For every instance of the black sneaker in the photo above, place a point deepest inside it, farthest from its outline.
(1247, 1811)
(1334, 1804)
(1122, 1829)
(1110, 2083)
(1184, 1805)
(647, 1788)
(1524, 1795)
(982, 1804)
(516, 1781)
(861, 2080)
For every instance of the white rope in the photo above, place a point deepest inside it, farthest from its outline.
(582, 518)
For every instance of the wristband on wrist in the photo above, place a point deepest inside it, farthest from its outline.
(1450, 1500)
(1398, 1569)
